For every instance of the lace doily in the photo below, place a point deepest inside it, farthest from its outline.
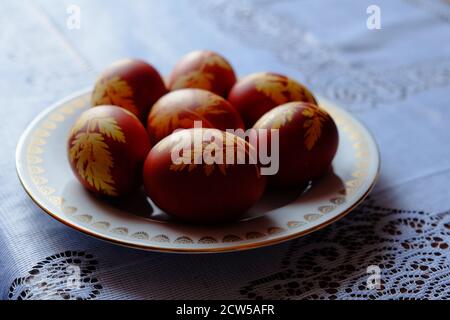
(410, 248)
(51, 279)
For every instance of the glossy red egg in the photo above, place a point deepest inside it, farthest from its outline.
(107, 147)
(258, 93)
(184, 177)
(131, 84)
(203, 70)
(308, 141)
(181, 108)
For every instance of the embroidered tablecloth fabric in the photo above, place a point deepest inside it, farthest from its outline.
(395, 79)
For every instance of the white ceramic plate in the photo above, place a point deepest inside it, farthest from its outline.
(43, 169)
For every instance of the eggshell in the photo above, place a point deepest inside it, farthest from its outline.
(131, 84)
(107, 147)
(258, 93)
(203, 70)
(179, 109)
(207, 191)
(308, 141)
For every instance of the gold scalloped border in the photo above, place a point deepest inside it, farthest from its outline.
(38, 142)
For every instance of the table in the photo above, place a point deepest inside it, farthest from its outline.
(395, 79)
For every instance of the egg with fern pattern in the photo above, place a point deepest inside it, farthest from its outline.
(181, 109)
(107, 147)
(131, 84)
(203, 70)
(308, 141)
(258, 93)
(194, 175)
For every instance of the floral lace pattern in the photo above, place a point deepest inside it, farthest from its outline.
(67, 275)
(410, 248)
(253, 23)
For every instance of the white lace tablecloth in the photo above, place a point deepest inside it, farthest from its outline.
(396, 80)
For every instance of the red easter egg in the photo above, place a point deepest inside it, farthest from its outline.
(308, 141)
(131, 84)
(107, 147)
(184, 177)
(179, 109)
(203, 70)
(258, 93)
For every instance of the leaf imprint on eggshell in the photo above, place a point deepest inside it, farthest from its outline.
(194, 79)
(188, 160)
(238, 148)
(217, 61)
(89, 151)
(272, 86)
(163, 121)
(275, 120)
(313, 125)
(284, 118)
(114, 91)
(282, 89)
(201, 78)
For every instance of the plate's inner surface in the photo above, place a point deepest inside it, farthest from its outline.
(45, 173)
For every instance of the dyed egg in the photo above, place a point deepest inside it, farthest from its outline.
(308, 140)
(258, 93)
(181, 108)
(107, 147)
(184, 176)
(203, 70)
(131, 84)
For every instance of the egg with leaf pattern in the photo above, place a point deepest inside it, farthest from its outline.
(107, 147)
(203, 70)
(182, 108)
(131, 84)
(258, 93)
(194, 175)
(308, 141)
